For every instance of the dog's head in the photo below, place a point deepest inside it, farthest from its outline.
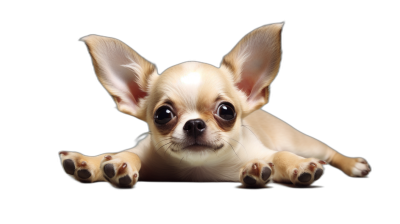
(192, 109)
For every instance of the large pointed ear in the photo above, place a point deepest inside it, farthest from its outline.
(254, 63)
(122, 71)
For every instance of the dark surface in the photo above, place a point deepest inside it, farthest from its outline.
(84, 174)
(325, 88)
(125, 181)
(109, 170)
(304, 177)
(266, 173)
(69, 166)
(249, 180)
(318, 174)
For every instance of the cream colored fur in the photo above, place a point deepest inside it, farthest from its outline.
(254, 149)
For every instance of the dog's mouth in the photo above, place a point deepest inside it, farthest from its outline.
(198, 146)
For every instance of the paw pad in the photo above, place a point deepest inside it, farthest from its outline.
(125, 181)
(84, 174)
(318, 174)
(69, 166)
(249, 180)
(266, 173)
(109, 170)
(304, 177)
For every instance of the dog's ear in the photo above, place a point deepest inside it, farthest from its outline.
(254, 63)
(123, 72)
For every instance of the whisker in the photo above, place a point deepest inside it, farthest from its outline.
(215, 151)
(231, 146)
(167, 148)
(247, 154)
(181, 160)
(250, 130)
(164, 145)
(162, 141)
(236, 141)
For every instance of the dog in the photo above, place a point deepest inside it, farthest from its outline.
(205, 123)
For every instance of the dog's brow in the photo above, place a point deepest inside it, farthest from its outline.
(167, 101)
(219, 97)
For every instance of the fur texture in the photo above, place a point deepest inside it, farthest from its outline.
(205, 122)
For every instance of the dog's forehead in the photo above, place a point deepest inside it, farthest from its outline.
(192, 84)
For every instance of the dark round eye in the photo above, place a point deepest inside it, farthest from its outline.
(226, 111)
(163, 115)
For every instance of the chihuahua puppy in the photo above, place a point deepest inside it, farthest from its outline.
(205, 122)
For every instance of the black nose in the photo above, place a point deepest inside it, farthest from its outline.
(194, 127)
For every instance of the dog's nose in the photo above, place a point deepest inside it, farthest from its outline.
(194, 127)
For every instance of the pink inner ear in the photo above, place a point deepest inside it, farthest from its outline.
(136, 92)
(247, 83)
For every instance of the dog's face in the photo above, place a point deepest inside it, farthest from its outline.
(194, 110)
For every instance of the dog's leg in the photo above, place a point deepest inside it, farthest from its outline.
(290, 168)
(278, 135)
(307, 146)
(120, 169)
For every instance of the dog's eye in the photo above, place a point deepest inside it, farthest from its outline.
(163, 115)
(226, 111)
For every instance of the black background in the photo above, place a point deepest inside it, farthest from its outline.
(324, 89)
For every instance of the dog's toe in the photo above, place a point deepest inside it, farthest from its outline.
(84, 174)
(69, 166)
(80, 166)
(318, 174)
(266, 173)
(304, 177)
(109, 170)
(125, 182)
(249, 180)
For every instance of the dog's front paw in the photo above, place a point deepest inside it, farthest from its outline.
(306, 171)
(256, 173)
(121, 170)
(83, 168)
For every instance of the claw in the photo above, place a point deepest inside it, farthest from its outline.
(83, 164)
(295, 173)
(122, 168)
(108, 157)
(63, 153)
